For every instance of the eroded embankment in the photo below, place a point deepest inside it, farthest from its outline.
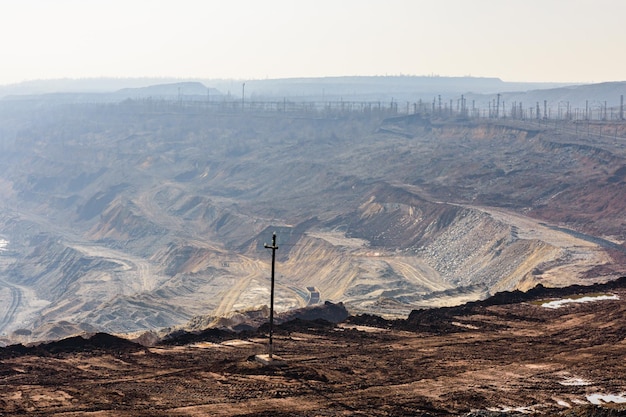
(400, 251)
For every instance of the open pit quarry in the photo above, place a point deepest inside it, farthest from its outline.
(137, 216)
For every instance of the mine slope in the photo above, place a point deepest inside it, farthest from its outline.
(546, 352)
(147, 214)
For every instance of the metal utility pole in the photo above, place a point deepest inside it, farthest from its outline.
(498, 108)
(243, 95)
(273, 247)
(538, 112)
(463, 106)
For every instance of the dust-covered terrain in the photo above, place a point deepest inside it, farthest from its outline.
(548, 352)
(143, 214)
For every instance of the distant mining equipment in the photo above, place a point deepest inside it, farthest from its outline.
(314, 296)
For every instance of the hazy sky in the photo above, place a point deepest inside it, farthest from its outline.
(516, 40)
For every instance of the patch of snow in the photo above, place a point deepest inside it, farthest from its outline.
(575, 382)
(522, 410)
(465, 325)
(560, 303)
(3, 244)
(599, 399)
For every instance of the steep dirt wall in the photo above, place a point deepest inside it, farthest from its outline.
(399, 245)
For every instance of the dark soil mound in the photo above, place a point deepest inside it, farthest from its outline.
(99, 341)
(540, 292)
(14, 351)
(370, 320)
(183, 337)
(440, 320)
(330, 312)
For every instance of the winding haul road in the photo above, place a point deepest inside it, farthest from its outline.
(8, 315)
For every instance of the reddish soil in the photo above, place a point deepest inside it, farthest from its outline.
(501, 356)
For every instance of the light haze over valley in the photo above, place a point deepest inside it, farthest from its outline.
(128, 149)
(446, 181)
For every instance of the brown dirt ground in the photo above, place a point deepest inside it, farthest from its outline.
(481, 360)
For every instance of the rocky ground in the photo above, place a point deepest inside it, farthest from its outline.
(508, 355)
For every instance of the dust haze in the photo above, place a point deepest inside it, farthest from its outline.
(142, 211)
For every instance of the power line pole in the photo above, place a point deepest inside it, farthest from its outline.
(243, 95)
(498, 107)
(273, 247)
